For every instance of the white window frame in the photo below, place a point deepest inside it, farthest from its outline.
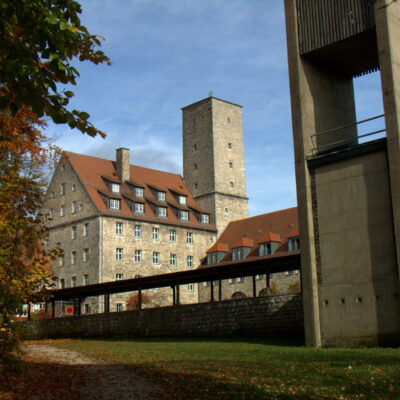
(189, 261)
(205, 219)
(161, 196)
(155, 233)
(189, 237)
(114, 204)
(162, 212)
(138, 256)
(119, 254)
(138, 231)
(86, 229)
(119, 226)
(182, 200)
(115, 187)
(156, 258)
(119, 277)
(172, 260)
(172, 236)
(139, 208)
(139, 191)
(184, 215)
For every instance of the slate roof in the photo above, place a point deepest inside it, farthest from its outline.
(277, 226)
(94, 173)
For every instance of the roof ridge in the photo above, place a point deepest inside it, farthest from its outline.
(261, 215)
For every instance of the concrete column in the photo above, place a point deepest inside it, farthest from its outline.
(387, 15)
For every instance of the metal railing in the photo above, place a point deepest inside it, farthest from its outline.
(341, 144)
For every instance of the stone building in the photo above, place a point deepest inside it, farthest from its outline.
(117, 221)
(213, 159)
(245, 240)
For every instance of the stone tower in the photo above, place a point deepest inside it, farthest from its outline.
(348, 190)
(213, 159)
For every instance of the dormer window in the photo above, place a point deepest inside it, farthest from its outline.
(182, 199)
(138, 191)
(162, 212)
(205, 219)
(115, 187)
(161, 196)
(265, 249)
(183, 215)
(294, 244)
(268, 243)
(114, 204)
(238, 254)
(139, 208)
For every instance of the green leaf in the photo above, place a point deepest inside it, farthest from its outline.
(69, 94)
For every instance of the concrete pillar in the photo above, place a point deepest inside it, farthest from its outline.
(387, 15)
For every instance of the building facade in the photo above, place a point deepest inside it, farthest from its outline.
(213, 159)
(246, 240)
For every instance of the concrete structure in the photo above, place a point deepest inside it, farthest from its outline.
(213, 159)
(348, 193)
(256, 238)
(117, 221)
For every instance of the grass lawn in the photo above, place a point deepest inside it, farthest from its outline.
(251, 369)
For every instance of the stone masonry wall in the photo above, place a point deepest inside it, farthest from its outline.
(267, 317)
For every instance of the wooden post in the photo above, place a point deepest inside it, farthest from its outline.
(79, 305)
(267, 280)
(220, 290)
(53, 306)
(45, 309)
(178, 301)
(140, 299)
(212, 290)
(173, 295)
(106, 302)
(29, 311)
(254, 286)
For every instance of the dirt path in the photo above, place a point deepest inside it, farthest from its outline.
(86, 377)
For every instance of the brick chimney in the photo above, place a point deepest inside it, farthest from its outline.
(122, 164)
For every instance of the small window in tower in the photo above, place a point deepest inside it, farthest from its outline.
(226, 210)
(196, 185)
(231, 184)
(231, 164)
(229, 145)
(194, 166)
(195, 147)
(229, 120)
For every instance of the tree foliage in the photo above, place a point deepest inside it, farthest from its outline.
(39, 40)
(24, 262)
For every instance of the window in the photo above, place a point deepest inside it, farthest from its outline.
(190, 287)
(156, 258)
(62, 283)
(52, 195)
(73, 232)
(195, 147)
(73, 258)
(138, 231)
(138, 191)
(80, 207)
(139, 208)
(115, 187)
(62, 168)
(118, 254)
(120, 307)
(182, 200)
(155, 233)
(87, 309)
(189, 238)
(119, 277)
(114, 204)
(73, 281)
(231, 184)
(161, 196)
(74, 207)
(195, 166)
(51, 214)
(62, 189)
(138, 256)
(62, 211)
(183, 215)
(162, 212)
(85, 255)
(240, 279)
(226, 210)
(73, 187)
(86, 279)
(230, 164)
(231, 281)
(205, 219)
(229, 145)
(172, 236)
(61, 260)
(196, 185)
(86, 230)
(260, 277)
(118, 228)
(265, 249)
(172, 260)
(294, 244)
(189, 261)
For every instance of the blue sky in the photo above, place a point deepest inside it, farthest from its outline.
(168, 54)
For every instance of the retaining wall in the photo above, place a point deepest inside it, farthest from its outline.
(262, 316)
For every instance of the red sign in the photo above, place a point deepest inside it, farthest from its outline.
(69, 310)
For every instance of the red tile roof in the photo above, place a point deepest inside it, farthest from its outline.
(92, 171)
(219, 246)
(295, 233)
(270, 237)
(279, 224)
(243, 242)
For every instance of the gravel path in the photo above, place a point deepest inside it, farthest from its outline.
(102, 381)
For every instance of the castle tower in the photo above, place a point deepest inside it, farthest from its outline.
(213, 159)
(348, 191)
